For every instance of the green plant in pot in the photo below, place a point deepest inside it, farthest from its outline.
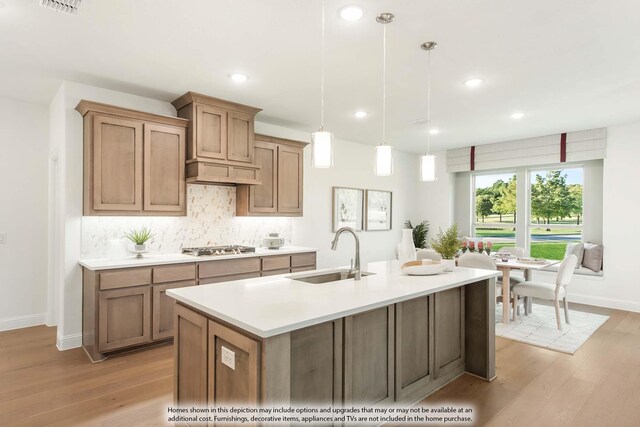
(139, 239)
(420, 232)
(447, 243)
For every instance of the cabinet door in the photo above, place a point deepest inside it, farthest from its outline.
(164, 168)
(449, 330)
(414, 347)
(211, 132)
(263, 198)
(369, 357)
(233, 367)
(290, 180)
(190, 357)
(240, 137)
(124, 317)
(117, 164)
(163, 309)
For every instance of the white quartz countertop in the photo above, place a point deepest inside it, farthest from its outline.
(159, 259)
(273, 305)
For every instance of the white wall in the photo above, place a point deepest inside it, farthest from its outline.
(353, 167)
(23, 213)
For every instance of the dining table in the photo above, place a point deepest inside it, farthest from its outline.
(505, 266)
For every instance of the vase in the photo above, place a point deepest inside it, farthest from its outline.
(449, 264)
(406, 248)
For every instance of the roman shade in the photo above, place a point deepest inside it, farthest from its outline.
(551, 149)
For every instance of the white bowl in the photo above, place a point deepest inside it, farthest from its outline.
(422, 268)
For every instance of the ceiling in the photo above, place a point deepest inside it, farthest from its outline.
(568, 65)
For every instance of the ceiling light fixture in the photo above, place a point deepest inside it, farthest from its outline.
(322, 141)
(351, 13)
(384, 152)
(434, 131)
(473, 83)
(360, 114)
(238, 77)
(517, 116)
(428, 161)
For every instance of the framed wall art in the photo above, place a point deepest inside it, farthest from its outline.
(348, 208)
(378, 210)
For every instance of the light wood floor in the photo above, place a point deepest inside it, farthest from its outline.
(598, 386)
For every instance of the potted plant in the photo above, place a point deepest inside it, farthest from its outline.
(446, 243)
(419, 233)
(480, 246)
(139, 239)
(472, 246)
(488, 247)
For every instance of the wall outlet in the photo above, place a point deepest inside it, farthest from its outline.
(3, 238)
(228, 358)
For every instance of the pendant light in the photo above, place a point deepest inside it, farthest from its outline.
(322, 141)
(428, 161)
(384, 152)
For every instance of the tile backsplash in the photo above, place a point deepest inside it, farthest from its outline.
(210, 221)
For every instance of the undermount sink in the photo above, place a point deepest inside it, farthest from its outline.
(328, 276)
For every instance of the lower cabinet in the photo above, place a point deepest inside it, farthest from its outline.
(124, 317)
(369, 357)
(414, 346)
(449, 331)
(233, 365)
(190, 357)
(162, 327)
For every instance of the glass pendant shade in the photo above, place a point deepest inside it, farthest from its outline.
(384, 160)
(322, 149)
(427, 168)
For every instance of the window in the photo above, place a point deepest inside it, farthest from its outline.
(556, 211)
(495, 208)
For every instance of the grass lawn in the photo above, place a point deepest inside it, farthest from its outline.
(540, 249)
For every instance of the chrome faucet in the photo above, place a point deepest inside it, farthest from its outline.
(334, 245)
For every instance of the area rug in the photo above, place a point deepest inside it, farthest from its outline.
(539, 328)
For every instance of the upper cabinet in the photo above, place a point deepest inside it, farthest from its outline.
(133, 162)
(281, 172)
(220, 140)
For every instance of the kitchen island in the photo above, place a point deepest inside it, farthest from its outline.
(386, 339)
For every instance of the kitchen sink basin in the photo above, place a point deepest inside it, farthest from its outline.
(328, 276)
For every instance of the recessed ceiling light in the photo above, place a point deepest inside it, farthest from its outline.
(517, 116)
(360, 114)
(434, 131)
(473, 83)
(351, 13)
(238, 77)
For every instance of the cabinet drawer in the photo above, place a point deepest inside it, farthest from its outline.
(275, 272)
(229, 278)
(276, 262)
(174, 273)
(305, 268)
(303, 260)
(245, 173)
(227, 267)
(124, 278)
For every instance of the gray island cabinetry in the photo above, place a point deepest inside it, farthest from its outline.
(387, 339)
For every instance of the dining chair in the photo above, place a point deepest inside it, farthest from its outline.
(428, 254)
(549, 291)
(515, 251)
(482, 261)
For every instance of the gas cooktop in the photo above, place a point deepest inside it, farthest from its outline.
(218, 250)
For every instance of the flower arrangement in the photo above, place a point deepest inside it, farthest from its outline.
(463, 246)
(472, 246)
(480, 246)
(488, 247)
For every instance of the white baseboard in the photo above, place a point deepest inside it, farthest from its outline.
(604, 302)
(19, 322)
(67, 342)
